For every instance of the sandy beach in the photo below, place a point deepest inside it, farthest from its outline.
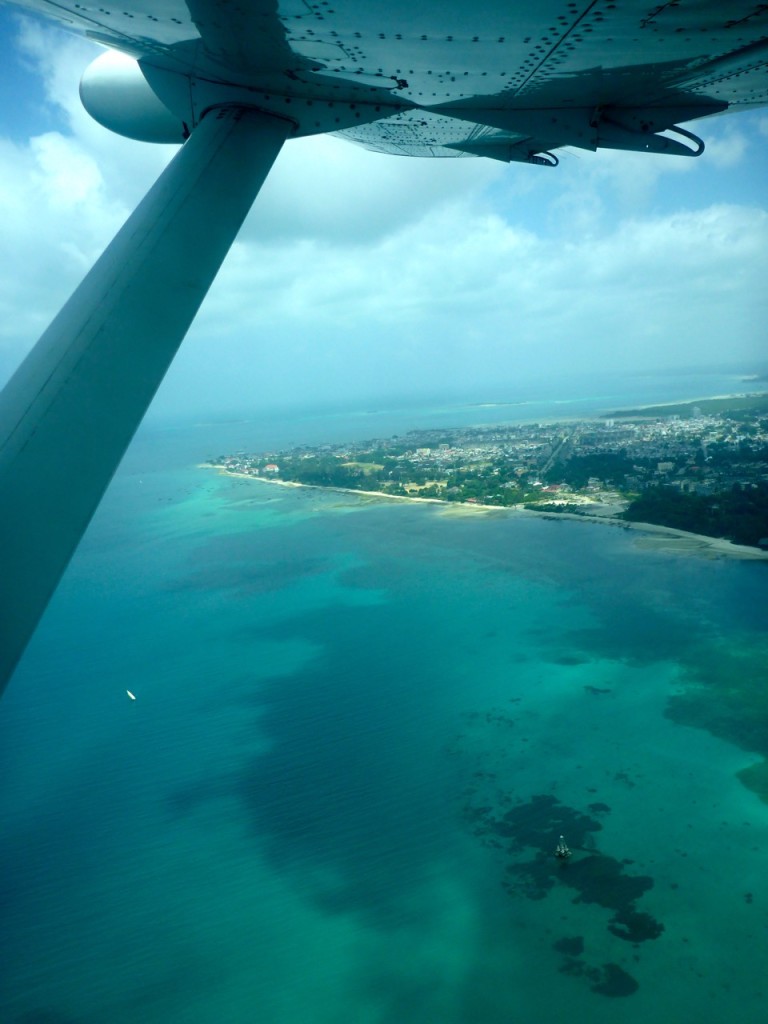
(652, 537)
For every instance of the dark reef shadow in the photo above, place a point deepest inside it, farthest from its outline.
(349, 779)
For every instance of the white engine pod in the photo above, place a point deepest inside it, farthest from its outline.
(116, 94)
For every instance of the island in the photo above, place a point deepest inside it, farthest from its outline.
(700, 467)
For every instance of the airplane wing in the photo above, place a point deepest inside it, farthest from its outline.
(506, 79)
(449, 78)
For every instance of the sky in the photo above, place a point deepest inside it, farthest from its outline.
(363, 277)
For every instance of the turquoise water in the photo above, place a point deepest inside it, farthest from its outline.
(359, 729)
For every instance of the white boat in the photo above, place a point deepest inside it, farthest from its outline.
(130, 695)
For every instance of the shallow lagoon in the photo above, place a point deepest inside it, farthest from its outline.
(359, 729)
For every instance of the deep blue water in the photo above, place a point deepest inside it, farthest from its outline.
(359, 728)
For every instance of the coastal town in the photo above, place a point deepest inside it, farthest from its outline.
(699, 466)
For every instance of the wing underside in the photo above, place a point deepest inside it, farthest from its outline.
(443, 78)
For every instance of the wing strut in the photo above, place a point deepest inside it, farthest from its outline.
(71, 409)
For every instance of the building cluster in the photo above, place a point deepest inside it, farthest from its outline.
(602, 461)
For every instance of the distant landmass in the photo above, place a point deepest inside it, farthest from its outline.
(732, 404)
(696, 466)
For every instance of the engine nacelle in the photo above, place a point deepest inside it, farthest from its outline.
(115, 93)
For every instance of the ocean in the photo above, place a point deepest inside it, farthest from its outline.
(360, 728)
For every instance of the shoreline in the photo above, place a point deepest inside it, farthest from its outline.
(659, 538)
(641, 411)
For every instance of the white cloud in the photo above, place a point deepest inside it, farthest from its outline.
(65, 174)
(464, 297)
(728, 147)
(56, 219)
(326, 187)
